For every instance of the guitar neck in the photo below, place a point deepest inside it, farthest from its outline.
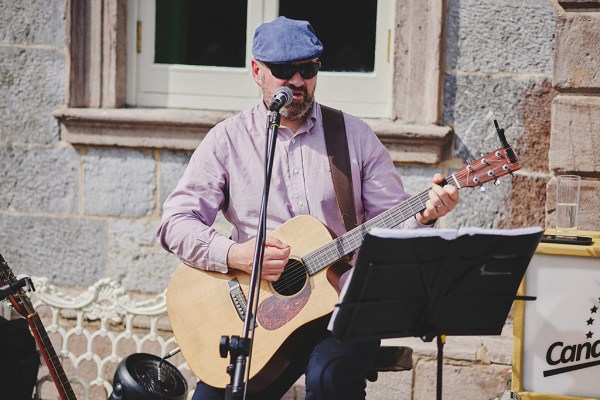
(56, 370)
(352, 240)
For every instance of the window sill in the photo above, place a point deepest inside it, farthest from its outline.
(180, 129)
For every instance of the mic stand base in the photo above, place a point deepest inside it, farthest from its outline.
(238, 349)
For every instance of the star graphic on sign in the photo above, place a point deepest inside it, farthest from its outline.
(589, 335)
(590, 321)
(594, 309)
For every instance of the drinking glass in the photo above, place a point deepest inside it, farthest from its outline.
(567, 204)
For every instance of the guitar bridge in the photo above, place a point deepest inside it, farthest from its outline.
(238, 298)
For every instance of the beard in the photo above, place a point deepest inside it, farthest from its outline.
(297, 109)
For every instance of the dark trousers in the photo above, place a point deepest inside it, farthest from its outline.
(334, 370)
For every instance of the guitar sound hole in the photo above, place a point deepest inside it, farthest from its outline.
(292, 279)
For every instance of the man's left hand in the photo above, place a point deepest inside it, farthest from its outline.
(441, 201)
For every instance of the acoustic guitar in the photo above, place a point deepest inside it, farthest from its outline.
(22, 304)
(204, 305)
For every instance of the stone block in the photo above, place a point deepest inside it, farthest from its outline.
(32, 83)
(533, 146)
(465, 382)
(119, 182)
(39, 179)
(575, 135)
(171, 166)
(483, 349)
(589, 205)
(472, 102)
(500, 36)
(137, 260)
(69, 251)
(393, 385)
(482, 209)
(33, 22)
(577, 52)
(526, 205)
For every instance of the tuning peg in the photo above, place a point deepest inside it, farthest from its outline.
(497, 182)
(513, 175)
(482, 188)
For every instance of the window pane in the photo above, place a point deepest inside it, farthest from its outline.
(201, 32)
(346, 29)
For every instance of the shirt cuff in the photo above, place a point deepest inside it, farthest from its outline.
(430, 225)
(217, 253)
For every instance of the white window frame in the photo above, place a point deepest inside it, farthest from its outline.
(366, 95)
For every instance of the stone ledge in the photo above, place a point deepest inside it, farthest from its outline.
(183, 129)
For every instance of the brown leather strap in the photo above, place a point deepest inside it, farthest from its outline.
(339, 162)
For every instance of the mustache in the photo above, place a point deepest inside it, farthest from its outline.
(298, 89)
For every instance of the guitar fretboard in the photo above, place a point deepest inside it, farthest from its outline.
(52, 361)
(352, 240)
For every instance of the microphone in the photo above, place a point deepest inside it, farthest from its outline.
(283, 96)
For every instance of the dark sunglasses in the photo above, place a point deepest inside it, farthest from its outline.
(286, 71)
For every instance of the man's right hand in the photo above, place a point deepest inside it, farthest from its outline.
(276, 256)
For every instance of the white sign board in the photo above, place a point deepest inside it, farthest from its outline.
(561, 341)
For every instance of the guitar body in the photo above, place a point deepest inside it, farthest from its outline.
(201, 309)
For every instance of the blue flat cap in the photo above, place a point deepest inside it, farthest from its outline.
(285, 40)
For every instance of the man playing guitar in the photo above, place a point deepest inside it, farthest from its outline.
(225, 174)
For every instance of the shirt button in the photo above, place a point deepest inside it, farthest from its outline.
(300, 203)
(293, 140)
(296, 171)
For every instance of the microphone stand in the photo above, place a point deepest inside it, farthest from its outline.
(240, 348)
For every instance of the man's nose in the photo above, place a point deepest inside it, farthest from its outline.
(296, 79)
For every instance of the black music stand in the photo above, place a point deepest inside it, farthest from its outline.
(432, 283)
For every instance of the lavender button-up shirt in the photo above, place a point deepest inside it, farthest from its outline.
(226, 173)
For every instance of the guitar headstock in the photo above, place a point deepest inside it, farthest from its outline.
(16, 295)
(489, 167)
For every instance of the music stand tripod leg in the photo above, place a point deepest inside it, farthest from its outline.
(441, 339)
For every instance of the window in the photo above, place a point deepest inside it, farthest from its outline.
(194, 54)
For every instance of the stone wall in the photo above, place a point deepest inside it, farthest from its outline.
(574, 145)
(79, 212)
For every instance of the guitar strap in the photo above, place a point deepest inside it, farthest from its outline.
(339, 163)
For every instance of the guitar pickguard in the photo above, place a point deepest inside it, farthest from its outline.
(276, 311)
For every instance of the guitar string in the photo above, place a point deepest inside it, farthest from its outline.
(326, 253)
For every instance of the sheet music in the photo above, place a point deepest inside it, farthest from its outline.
(447, 234)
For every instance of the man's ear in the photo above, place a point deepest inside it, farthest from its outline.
(256, 70)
